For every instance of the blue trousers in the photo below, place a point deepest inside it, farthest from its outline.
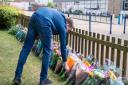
(41, 27)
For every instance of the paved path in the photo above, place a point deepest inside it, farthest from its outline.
(102, 28)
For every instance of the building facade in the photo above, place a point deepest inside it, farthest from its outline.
(124, 6)
(95, 6)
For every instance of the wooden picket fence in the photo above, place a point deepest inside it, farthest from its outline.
(101, 46)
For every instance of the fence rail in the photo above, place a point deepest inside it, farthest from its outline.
(101, 46)
(94, 18)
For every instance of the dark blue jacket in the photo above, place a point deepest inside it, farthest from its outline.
(58, 21)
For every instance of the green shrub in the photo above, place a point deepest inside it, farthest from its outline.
(13, 30)
(51, 5)
(8, 16)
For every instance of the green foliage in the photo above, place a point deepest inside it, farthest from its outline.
(50, 5)
(8, 16)
(13, 30)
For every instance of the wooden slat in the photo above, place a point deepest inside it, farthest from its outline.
(112, 50)
(107, 47)
(58, 38)
(71, 37)
(79, 42)
(86, 43)
(26, 22)
(89, 44)
(76, 41)
(93, 45)
(21, 20)
(118, 54)
(73, 41)
(69, 42)
(53, 37)
(125, 58)
(97, 50)
(102, 51)
(82, 43)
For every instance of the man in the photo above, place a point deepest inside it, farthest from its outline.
(45, 22)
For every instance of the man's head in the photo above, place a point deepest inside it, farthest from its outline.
(70, 24)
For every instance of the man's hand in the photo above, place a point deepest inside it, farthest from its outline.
(64, 65)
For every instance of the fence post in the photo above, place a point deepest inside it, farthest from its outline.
(124, 24)
(111, 24)
(89, 22)
(119, 19)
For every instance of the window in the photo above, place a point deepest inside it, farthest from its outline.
(125, 5)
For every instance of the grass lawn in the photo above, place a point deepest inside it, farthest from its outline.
(9, 51)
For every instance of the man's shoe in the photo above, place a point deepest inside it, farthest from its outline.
(46, 82)
(16, 81)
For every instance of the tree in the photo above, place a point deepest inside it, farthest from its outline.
(50, 4)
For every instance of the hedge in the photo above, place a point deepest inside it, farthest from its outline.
(8, 16)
